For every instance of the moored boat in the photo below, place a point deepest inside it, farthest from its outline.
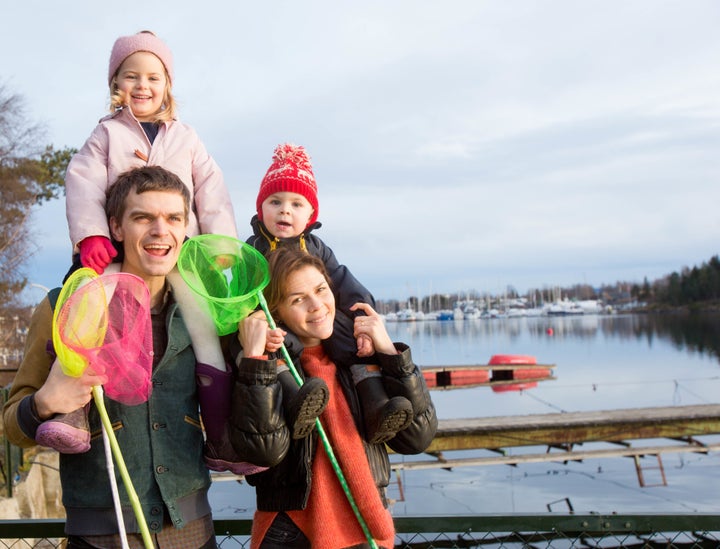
(565, 308)
(444, 315)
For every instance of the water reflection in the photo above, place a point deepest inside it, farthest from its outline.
(694, 333)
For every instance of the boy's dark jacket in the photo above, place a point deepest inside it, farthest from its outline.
(342, 346)
(346, 288)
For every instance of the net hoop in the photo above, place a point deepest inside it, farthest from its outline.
(226, 275)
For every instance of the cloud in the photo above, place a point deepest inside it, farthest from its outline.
(456, 145)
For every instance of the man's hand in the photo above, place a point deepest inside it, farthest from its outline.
(61, 394)
(252, 334)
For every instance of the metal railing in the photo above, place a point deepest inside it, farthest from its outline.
(533, 531)
(550, 530)
(11, 457)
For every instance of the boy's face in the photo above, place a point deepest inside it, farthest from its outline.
(286, 214)
(152, 231)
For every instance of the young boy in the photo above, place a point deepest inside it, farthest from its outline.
(287, 211)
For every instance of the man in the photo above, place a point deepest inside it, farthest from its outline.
(161, 440)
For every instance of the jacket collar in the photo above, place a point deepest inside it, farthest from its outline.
(260, 230)
(126, 112)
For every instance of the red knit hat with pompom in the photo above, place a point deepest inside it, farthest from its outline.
(290, 172)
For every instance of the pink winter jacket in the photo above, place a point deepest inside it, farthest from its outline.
(111, 150)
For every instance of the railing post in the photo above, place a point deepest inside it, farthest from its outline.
(8, 461)
(8, 468)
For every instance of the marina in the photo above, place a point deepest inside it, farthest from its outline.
(569, 440)
(471, 309)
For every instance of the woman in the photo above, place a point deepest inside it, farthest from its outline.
(300, 502)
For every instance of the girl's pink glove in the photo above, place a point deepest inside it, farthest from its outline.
(96, 252)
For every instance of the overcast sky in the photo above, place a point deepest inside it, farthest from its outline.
(457, 145)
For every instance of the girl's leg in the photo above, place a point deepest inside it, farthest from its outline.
(214, 380)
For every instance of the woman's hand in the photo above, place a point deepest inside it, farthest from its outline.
(253, 334)
(372, 327)
(61, 394)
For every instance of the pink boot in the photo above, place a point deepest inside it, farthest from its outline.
(67, 433)
(214, 392)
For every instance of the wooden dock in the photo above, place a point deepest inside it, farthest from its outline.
(566, 429)
(617, 433)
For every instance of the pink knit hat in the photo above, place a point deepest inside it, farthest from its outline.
(125, 46)
(290, 172)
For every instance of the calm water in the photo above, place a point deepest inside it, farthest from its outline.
(601, 363)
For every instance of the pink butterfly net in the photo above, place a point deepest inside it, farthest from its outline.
(107, 322)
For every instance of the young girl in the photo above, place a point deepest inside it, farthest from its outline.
(287, 211)
(143, 129)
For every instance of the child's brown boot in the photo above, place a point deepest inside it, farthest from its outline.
(383, 416)
(302, 404)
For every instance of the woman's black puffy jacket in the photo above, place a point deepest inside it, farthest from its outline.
(259, 434)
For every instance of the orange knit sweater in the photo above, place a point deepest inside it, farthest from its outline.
(328, 520)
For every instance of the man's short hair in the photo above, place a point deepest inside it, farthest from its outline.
(144, 179)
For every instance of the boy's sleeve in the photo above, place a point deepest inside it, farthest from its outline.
(18, 411)
(341, 346)
(347, 289)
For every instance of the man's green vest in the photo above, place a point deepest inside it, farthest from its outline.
(161, 441)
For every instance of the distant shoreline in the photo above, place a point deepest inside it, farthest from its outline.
(704, 307)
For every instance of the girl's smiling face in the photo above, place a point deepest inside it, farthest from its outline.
(143, 82)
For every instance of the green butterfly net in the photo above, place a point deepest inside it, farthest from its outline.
(226, 274)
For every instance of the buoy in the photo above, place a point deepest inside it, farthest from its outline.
(550, 331)
(526, 375)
